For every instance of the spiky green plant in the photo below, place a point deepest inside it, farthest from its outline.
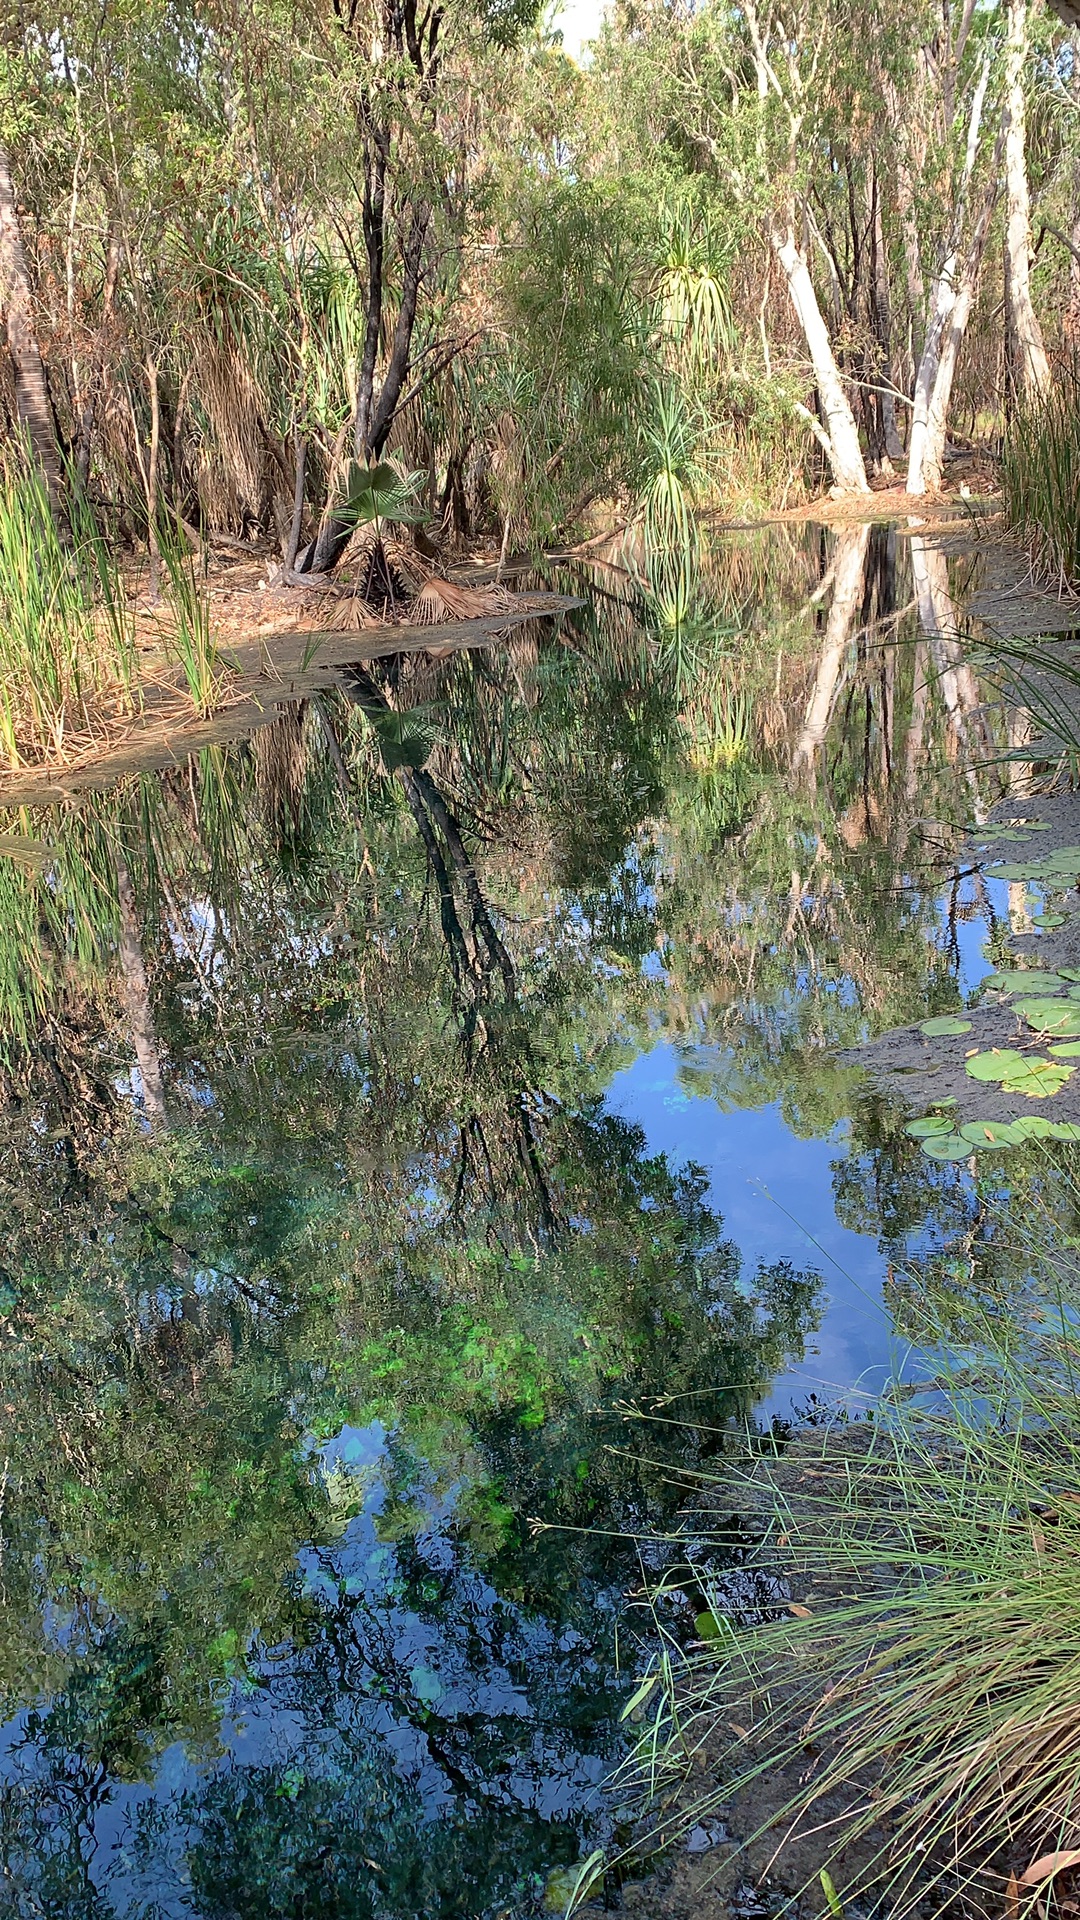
(695, 320)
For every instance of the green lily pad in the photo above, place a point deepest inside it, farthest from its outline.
(1051, 1016)
(929, 1126)
(944, 1023)
(1065, 1130)
(1032, 1126)
(1063, 860)
(1047, 920)
(1031, 980)
(1038, 1080)
(997, 1063)
(1016, 870)
(1070, 973)
(1066, 1050)
(991, 1133)
(947, 1146)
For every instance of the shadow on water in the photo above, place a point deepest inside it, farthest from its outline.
(380, 1102)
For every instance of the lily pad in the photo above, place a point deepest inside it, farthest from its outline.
(1066, 1050)
(1030, 980)
(991, 1133)
(1017, 870)
(1038, 1080)
(931, 1125)
(947, 1146)
(1070, 973)
(1047, 920)
(1051, 1016)
(944, 1023)
(1063, 860)
(1065, 1130)
(1032, 1126)
(997, 1063)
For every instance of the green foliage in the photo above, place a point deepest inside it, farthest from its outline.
(1040, 478)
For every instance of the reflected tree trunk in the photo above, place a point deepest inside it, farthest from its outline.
(849, 571)
(135, 993)
(952, 673)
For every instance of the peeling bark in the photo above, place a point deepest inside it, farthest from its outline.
(17, 301)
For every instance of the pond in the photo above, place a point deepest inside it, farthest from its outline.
(429, 1134)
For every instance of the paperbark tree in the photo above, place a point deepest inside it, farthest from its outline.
(17, 302)
(787, 75)
(1028, 364)
(848, 579)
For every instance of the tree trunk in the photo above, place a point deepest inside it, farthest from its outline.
(848, 578)
(882, 311)
(31, 388)
(840, 435)
(1028, 364)
(136, 997)
(943, 301)
(933, 452)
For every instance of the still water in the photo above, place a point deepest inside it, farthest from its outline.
(399, 1103)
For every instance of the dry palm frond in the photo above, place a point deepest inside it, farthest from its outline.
(441, 600)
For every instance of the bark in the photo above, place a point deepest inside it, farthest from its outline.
(882, 316)
(849, 574)
(1028, 365)
(840, 435)
(83, 440)
(31, 387)
(136, 997)
(933, 458)
(944, 301)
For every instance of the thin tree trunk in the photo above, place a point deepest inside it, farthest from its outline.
(943, 302)
(84, 436)
(849, 575)
(840, 435)
(31, 389)
(296, 526)
(136, 997)
(1028, 364)
(933, 461)
(882, 304)
(374, 219)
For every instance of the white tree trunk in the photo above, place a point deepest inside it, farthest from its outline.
(933, 460)
(1030, 368)
(943, 302)
(848, 576)
(841, 435)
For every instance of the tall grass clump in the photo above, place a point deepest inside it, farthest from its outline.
(66, 641)
(1040, 479)
(188, 637)
(914, 1659)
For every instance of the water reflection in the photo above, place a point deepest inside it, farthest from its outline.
(340, 1226)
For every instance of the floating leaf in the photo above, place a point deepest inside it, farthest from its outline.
(1063, 860)
(1038, 1080)
(945, 1023)
(1064, 1130)
(996, 1064)
(1032, 980)
(991, 1133)
(947, 1146)
(931, 1124)
(1065, 1050)
(1016, 870)
(800, 1612)
(1032, 1126)
(1051, 1016)
(1070, 973)
(1047, 920)
(707, 1626)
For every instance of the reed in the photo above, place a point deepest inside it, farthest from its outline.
(188, 638)
(921, 1635)
(1040, 479)
(66, 642)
